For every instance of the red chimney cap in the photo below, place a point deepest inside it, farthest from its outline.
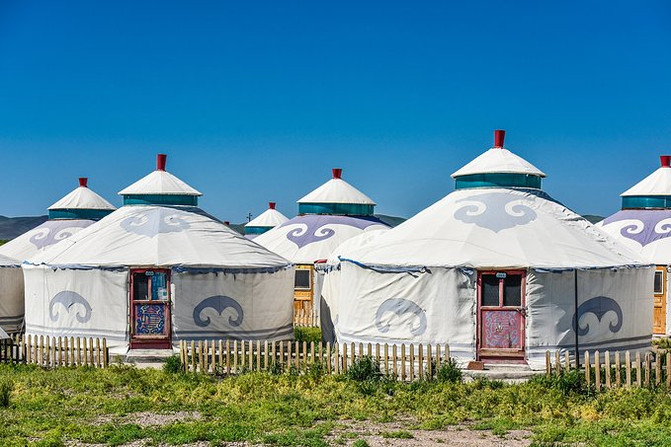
(271, 205)
(227, 222)
(337, 172)
(499, 136)
(665, 160)
(161, 161)
(83, 182)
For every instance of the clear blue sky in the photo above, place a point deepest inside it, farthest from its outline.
(257, 101)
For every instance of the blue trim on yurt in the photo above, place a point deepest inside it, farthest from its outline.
(160, 199)
(344, 209)
(257, 230)
(638, 202)
(75, 213)
(498, 179)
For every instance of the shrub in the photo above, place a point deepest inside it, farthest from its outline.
(173, 365)
(449, 372)
(364, 369)
(360, 443)
(568, 382)
(6, 388)
(276, 368)
(308, 334)
(316, 370)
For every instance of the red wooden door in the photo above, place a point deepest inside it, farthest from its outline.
(150, 309)
(501, 315)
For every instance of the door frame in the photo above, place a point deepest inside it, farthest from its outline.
(151, 341)
(510, 356)
(663, 296)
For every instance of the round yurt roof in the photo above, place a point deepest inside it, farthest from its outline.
(77, 210)
(313, 237)
(337, 190)
(644, 222)
(269, 218)
(494, 227)
(160, 235)
(82, 198)
(6, 261)
(160, 182)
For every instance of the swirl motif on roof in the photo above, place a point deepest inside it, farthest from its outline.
(69, 300)
(156, 222)
(599, 306)
(55, 231)
(642, 226)
(400, 307)
(315, 228)
(219, 303)
(495, 211)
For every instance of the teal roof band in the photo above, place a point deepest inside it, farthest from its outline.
(342, 209)
(257, 230)
(160, 199)
(490, 180)
(75, 213)
(638, 202)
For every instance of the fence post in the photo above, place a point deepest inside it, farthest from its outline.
(420, 360)
(567, 362)
(328, 356)
(298, 357)
(597, 370)
(617, 369)
(557, 363)
(258, 354)
(668, 369)
(386, 358)
(228, 357)
(647, 369)
(658, 369)
(344, 358)
(394, 361)
(607, 365)
(548, 366)
(587, 366)
(429, 366)
(437, 358)
(265, 355)
(638, 369)
(403, 362)
(627, 359)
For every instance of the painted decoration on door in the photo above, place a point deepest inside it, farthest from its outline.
(599, 306)
(219, 303)
(502, 329)
(399, 307)
(495, 211)
(70, 301)
(149, 319)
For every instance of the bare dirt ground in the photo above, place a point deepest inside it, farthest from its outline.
(392, 434)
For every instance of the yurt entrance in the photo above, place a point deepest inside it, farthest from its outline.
(501, 315)
(303, 289)
(150, 309)
(659, 312)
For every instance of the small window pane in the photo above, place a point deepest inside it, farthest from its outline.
(659, 282)
(159, 286)
(490, 290)
(140, 286)
(512, 290)
(302, 279)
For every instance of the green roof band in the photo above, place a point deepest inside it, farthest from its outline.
(638, 202)
(498, 180)
(342, 209)
(257, 230)
(160, 199)
(75, 213)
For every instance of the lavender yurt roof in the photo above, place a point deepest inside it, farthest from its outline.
(74, 212)
(644, 222)
(327, 216)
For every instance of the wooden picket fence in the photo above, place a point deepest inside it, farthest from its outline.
(617, 369)
(225, 357)
(55, 351)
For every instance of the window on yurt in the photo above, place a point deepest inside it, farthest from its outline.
(512, 290)
(501, 289)
(490, 290)
(150, 285)
(302, 281)
(659, 282)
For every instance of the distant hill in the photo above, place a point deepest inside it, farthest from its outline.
(593, 218)
(392, 221)
(11, 227)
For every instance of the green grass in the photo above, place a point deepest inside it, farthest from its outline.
(103, 406)
(308, 334)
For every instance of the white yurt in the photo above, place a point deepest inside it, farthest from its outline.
(327, 217)
(497, 270)
(74, 212)
(644, 225)
(11, 295)
(156, 271)
(265, 221)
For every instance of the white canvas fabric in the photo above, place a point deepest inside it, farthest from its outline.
(11, 295)
(337, 190)
(656, 184)
(3, 334)
(499, 160)
(82, 198)
(160, 183)
(269, 218)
